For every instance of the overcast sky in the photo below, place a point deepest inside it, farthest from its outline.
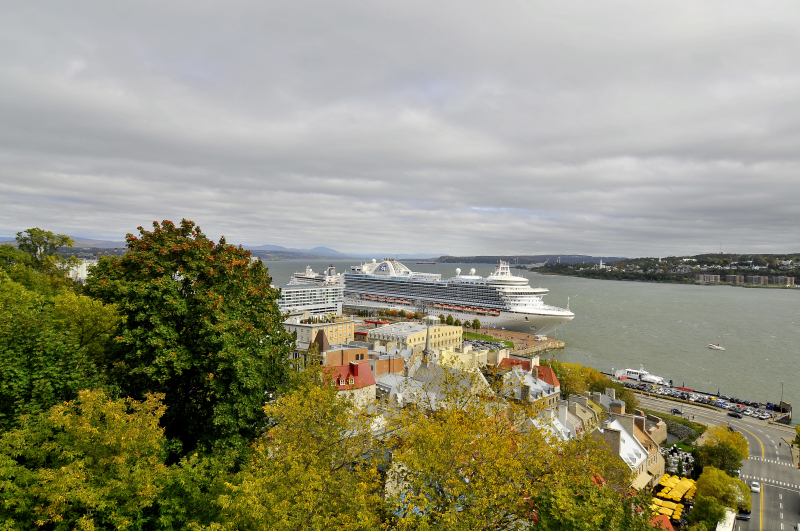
(605, 128)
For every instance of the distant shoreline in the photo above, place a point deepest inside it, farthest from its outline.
(691, 283)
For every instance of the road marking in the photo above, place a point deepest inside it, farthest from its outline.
(781, 507)
(780, 497)
(781, 516)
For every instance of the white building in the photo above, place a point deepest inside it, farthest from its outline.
(315, 299)
(80, 272)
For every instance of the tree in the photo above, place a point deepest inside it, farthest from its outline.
(797, 434)
(89, 322)
(201, 326)
(724, 449)
(467, 324)
(417, 315)
(449, 319)
(706, 511)
(732, 493)
(311, 470)
(457, 322)
(471, 463)
(476, 324)
(42, 364)
(442, 318)
(42, 246)
(92, 463)
(401, 313)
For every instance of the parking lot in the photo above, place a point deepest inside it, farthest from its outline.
(733, 405)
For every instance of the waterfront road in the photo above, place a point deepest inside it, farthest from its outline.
(777, 506)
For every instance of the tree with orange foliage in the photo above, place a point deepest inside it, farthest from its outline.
(202, 327)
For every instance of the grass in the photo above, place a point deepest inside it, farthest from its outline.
(484, 337)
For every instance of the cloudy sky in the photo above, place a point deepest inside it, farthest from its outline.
(605, 128)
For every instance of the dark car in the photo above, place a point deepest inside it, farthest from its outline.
(676, 411)
(743, 515)
(735, 415)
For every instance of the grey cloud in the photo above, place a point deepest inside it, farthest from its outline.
(454, 127)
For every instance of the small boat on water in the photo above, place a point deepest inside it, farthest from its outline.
(641, 375)
(717, 346)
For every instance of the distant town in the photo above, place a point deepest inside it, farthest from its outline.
(763, 270)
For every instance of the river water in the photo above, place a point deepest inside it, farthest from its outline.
(664, 327)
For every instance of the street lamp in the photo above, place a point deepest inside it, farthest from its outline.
(780, 404)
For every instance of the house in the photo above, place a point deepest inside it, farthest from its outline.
(354, 380)
(526, 387)
(642, 461)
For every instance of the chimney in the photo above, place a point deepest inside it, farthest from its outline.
(354, 368)
(639, 421)
(627, 423)
(535, 372)
(611, 393)
(614, 439)
(526, 393)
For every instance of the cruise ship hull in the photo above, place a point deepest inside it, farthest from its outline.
(529, 323)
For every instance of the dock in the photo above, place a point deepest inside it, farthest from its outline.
(525, 345)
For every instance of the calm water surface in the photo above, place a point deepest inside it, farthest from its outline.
(664, 327)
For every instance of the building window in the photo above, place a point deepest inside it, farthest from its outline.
(351, 381)
(341, 382)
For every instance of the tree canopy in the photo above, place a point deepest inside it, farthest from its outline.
(732, 493)
(201, 326)
(91, 463)
(724, 449)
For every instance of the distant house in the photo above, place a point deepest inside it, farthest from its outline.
(525, 386)
(354, 379)
(627, 439)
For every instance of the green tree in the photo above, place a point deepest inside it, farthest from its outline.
(310, 470)
(797, 434)
(401, 313)
(442, 318)
(42, 364)
(93, 463)
(707, 511)
(457, 322)
(88, 322)
(201, 326)
(476, 324)
(449, 319)
(42, 246)
(417, 315)
(723, 449)
(732, 493)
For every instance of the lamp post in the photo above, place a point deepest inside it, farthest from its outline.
(780, 404)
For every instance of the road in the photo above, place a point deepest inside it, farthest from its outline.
(777, 506)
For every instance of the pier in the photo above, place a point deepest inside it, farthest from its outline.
(525, 345)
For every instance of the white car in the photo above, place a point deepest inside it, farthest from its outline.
(764, 416)
(755, 486)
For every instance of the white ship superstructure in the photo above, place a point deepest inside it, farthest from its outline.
(317, 294)
(500, 300)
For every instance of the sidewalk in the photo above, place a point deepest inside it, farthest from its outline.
(795, 450)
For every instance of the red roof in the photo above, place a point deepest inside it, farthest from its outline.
(546, 374)
(351, 376)
(662, 522)
(508, 363)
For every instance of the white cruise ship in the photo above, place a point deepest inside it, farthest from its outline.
(500, 300)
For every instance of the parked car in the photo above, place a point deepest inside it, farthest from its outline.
(735, 415)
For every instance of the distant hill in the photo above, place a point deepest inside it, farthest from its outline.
(529, 259)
